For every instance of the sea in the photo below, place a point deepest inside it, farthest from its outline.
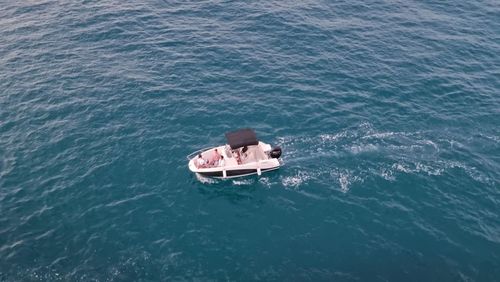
(387, 112)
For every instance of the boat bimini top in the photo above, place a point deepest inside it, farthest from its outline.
(240, 138)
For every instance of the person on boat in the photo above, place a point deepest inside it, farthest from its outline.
(221, 161)
(244, 152)
(200, 162)
(216, 157)
(236, 154)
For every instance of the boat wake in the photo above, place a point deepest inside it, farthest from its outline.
(206, 180)
(364, 153)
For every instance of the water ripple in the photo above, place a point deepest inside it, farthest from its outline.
(387, 113)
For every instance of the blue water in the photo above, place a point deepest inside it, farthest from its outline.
(388, 113)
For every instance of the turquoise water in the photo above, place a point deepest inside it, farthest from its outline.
(388, 113)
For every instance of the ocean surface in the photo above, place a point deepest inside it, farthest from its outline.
(388, 114)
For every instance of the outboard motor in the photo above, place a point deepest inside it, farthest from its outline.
(275, 152)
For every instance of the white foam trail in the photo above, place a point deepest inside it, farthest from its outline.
(471, 171)
(435, 168)
(495, 138)
(205, 180)
(295, 180)
(265, 181)
(345, 179)
(379, 135)
(417, 168)
(243, 182)
(428, 169)
(416, 154)
(358, 149)
(388, 174)
(401, 167)
(344, 182)
(429, 142)
(333, 137)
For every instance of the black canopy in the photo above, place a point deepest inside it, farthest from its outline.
(241, 137)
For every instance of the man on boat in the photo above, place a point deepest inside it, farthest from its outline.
(215, 158)
(200, 162)
(221, 161)
(244, 152)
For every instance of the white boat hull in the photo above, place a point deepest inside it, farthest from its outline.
(257, 162)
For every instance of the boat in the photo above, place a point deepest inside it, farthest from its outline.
(243, 155)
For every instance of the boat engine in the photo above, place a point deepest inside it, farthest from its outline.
(275, 152)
